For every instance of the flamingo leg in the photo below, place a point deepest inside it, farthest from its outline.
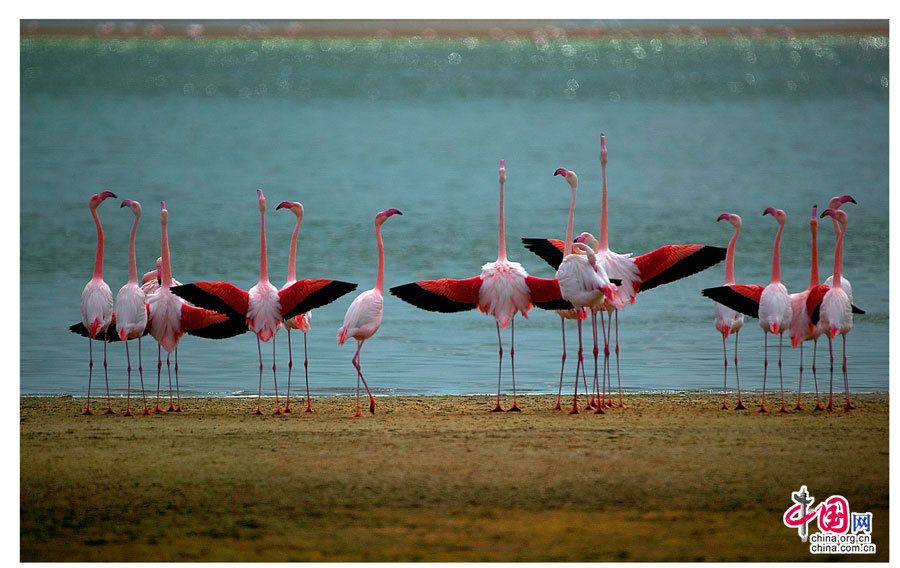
(818, 406)
(258, 412)
(278, 411)
(762, 406)
(177, 386)
(497, 407)
(725, 378)
(618, 372)
(800, 382)
(848, 404)
(562, 367)
(830, 406)
(737, 374)
(578, 367)
(783, 409)
(512, 363)
(598, 407)
(169, 370)
(146, 411)
(287, 396)
(605, 345)
(109, 409)
(128, 393)
(306, 374)
(87, 407)
(157, 409)
(606, 370)
(358, 364)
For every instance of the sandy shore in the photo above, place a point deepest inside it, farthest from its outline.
(438, 478)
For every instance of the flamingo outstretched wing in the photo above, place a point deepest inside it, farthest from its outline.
(305, 295)
(673, 262)
(446, 295)
(743, 298)
(814, 302)
(222, 297)
(209, 324)
(111, 334)
(551, 250)
(545, 293)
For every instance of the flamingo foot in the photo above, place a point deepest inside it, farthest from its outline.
(783, 409)
(372, 406)
(818, 407)
(599, 410)
(514, 408)
(740, 406)
(157, 410)
(278, 411)
(146, 411)
(287, 408)
(496, 408)
(848, 406)
(171, 408)
(357, 414)
(109, 411)
(592, 404)
(128, 412)
(799, 407)
(830, 407)
(87, 411)
(573, 410)
(762, 409)
(557, 406)
(177, 409)
(724, 406)
(851, 405)
(257, 412)
(308, 408)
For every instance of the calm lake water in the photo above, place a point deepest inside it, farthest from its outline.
(695, 127)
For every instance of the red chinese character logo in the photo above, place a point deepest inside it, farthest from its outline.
(834, 515)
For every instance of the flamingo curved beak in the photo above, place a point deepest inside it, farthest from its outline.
(106, 194)
(725, 217)
(284, 205)
(845, 199)
(827, 213)
(770, 211)
(561, 172)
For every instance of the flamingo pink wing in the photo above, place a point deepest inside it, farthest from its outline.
(209, 324)
(743, 298)
(445, 295)
(545, 293)
(673, 262)
(551, 250)
(305, 295)
(222, 297)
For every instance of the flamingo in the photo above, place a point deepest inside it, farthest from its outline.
(302, 321)
(97, 304)
(771, 304)
(502, 290)
(363, 317)
(263, 307)
(836, 203)
(131, 309)
(150, 284)
(836, 309)
(729, 321)
(661, 266)
(582, 280)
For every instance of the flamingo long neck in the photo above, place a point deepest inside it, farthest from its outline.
(98, 259)
(263, 260)
(379, 279)
(776, 256)
(570, 226)
(729, 257)
(166, 262)
(604, 223)
(292, 259)
(814, 270)
(132, 258)
(838, 259)
(501, 233)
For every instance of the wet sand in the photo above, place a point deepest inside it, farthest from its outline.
(671, 477)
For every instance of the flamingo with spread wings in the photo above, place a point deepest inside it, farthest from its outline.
(636, 273)
(264, 307)
(502, 290)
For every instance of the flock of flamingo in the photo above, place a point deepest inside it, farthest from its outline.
(590, 279)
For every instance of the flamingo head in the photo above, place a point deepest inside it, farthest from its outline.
(732, 218)
(587, 250)
(569, 175)
(837, 215)
(98, 198)
(294, 206)
(135, 206)
(502, 171)
(814, 219)
(260, 196)
(383, 216)
(164, 214)
(604, 154)
(836, 202)
(779, 215)
(587, 239)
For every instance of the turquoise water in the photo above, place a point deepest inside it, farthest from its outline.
(695, 127)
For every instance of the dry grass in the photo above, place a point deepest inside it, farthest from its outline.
(437, 478)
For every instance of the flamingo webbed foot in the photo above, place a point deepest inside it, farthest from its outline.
(818, 407)
(257, 412)
(514, 408)
(496, 408)
(740, 406)
(109, 411)
(128, 412)
(599, 410)
(783, 410)
(762, 409)
(87, 411)
(146, 411)
(557, 406)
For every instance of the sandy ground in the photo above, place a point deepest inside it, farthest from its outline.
(671, 477)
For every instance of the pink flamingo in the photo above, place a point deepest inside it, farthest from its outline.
(502, 290)
(263, 307)
(582, 280)
(150, 284)
(97, 304)
(131, 309)
(836, 203)
(302, 321)
(637, 274)
(363, 317)
(771, 304)
(836, 311)
(729, 321)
